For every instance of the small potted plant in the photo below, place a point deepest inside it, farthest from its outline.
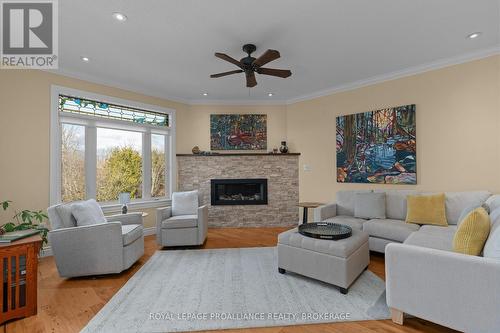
(24, 220)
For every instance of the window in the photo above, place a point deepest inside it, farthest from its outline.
(119, 164)
(72, 162)
(93, 108)
(158, 167)
(102, 146)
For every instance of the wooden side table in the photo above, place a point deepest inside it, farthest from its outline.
(19, 277)
(305, 206)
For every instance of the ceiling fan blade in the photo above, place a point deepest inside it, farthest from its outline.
(224, 56)
(226, 73)
(266, 57)
(274, 72)
(251, 82)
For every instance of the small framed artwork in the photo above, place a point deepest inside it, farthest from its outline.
(238, 132)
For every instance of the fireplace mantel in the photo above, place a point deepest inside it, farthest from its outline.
(239, 154)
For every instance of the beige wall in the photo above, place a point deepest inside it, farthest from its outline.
(458, 129)
(194, 127)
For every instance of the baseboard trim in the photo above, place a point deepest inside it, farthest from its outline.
(149, 231)
(47, 251)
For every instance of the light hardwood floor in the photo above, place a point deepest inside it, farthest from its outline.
(67, 305)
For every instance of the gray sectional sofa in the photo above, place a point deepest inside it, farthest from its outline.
(394, 229)
(424, 277)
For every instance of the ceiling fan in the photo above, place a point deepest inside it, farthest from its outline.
(251, 65)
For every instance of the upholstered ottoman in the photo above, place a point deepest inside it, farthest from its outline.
(338, 262)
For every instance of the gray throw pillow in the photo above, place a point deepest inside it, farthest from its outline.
(369, 206)
(66, 216)
(87, 213)
(185, 203)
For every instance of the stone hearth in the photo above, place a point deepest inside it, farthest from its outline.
(281, 171)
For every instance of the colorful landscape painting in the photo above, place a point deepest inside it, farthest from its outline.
(377, 147)
(238, 132)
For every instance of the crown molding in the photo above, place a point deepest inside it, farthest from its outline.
(242, 102)
(476, 55)
(442, 63)
(115, 84)
(131, 88)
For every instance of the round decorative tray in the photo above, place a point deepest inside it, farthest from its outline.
(325, 230)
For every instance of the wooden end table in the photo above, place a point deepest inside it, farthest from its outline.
(306, 206)
(18, 278)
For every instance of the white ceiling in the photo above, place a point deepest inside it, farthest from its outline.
(166, 48)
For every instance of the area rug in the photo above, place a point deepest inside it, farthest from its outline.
(192, 290)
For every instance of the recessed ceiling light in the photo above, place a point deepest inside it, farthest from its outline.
(270, 94)
(85, 59)
(119, 17)
(205, 94)
(474, 35)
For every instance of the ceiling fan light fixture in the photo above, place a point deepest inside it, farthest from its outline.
(205, 94)
(85, 59)
(250, 65)
(270, 94)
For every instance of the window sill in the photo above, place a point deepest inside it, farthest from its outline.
(116, 207)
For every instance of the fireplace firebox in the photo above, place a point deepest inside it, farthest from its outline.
(251, 191)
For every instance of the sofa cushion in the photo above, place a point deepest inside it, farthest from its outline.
(181, 221)
(436, 229)
(466, 211)
(426, 209)
(342, 248)
(131, 232)
(457, 201)
(472, 233)
(439, 241)
(493, 202)
(492, 246)
(369, 205)
(184, 203)
(345, 201)
(87, 213)
(352, 222)
(395, 203)
(67, 220)
(396, 230)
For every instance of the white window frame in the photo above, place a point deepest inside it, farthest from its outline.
(91, 123)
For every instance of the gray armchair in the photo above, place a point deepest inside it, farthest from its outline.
(103, 248)
(184, 223)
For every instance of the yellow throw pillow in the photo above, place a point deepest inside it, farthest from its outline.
(472, 232)
(426, 209)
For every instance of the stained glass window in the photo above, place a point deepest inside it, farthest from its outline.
(111, 111)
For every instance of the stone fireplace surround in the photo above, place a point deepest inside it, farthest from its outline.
(195, 172)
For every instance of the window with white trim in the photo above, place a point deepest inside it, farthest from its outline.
(102, 146)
